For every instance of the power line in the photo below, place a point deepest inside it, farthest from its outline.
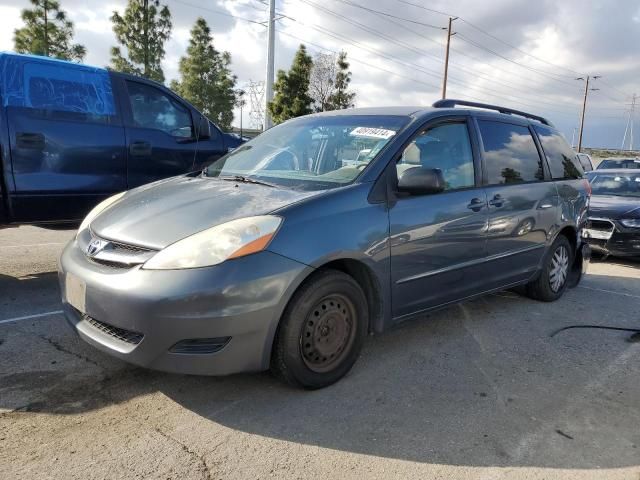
(475, 73)
(217, 12)
(395, 59)
(490, 35)
(378, 12)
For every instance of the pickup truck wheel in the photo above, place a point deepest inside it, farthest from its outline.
(321, 332)
(552, 281)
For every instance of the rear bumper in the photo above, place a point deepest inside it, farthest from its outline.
(238, 302)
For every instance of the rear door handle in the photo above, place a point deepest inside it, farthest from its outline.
(140, 148)
(496, 201)
(544, 206)
(33, 141)
(475, 204)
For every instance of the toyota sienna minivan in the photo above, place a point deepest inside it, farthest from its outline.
(286, 252)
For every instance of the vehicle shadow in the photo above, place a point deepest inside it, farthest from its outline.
(22, 295)
(482, 383)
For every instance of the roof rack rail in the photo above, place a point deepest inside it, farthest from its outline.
(450, 103)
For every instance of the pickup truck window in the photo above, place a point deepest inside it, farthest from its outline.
(152, 108)
(75, 91)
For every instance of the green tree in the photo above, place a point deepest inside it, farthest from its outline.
(206, 80)
(342, 97)
(511, 175)
(291, 98)
(142, 30)
(48, 32)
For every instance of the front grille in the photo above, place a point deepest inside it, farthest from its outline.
(127, 336)
(200, 345)
(121, 247)
(598, 224)
(114, 254)
(110, 264)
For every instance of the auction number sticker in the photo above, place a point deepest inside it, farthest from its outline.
(370, 132)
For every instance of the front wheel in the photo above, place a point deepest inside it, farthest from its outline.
(321, 332)
(552, 281)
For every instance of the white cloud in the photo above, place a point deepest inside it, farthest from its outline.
(597, 39)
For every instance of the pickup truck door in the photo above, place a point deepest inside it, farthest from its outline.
(66, 141)
(160, 134)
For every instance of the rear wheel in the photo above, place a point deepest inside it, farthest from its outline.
(321, 332)
(552, 281)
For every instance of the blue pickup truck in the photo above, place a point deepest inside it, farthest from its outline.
(72, 135)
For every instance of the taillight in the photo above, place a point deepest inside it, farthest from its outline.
(587, 186)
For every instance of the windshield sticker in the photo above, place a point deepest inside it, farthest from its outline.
(369, 132)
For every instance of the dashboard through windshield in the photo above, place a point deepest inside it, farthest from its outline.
(311, 153)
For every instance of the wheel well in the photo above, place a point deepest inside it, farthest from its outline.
(571, 235)
(367, 281)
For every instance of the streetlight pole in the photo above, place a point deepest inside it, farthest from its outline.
(268, 94)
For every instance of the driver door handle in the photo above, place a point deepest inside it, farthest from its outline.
(140, 148)
(475, 204)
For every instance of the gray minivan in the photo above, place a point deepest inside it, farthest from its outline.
(286, 252)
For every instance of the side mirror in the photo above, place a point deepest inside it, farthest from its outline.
(203, 128)
(421, 181)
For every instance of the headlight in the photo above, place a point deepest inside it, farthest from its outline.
(233, 239)
(98, 209)
(631, 222)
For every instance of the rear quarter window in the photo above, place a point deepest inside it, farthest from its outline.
(563, 161)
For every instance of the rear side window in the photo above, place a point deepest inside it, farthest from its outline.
(63, 88)
(563, 161)
(153, 108)
(510, 154)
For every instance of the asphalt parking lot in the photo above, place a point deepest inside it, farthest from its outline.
(476, 391)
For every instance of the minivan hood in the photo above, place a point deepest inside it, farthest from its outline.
(164, 212)
(613, 207)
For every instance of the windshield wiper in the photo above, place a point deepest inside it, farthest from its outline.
(243, 179)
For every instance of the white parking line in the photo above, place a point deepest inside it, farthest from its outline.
(610, 291)
(30, 317)
(32, 245)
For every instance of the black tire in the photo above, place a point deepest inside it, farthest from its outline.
(321, 331)
(545, 287)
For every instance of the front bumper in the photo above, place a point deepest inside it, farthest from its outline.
(239, 301)
(615, 240)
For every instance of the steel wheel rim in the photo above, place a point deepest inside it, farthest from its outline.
(559, 268)
(328, 333)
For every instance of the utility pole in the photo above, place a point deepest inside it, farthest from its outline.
(629, 126)
(446, 58)
(584, 105)
(270, 63)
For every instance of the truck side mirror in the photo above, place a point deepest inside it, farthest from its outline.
(203, 128)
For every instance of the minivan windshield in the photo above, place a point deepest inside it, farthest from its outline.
(310, 153)
(619, 185)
